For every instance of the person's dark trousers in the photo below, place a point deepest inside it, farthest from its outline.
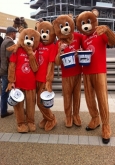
(4, 95)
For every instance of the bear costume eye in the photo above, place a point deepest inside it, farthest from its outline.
(26, 37)
(89, 21)
(47, 31)
(61, 26)
(32, 38)
(42, 31)
(67, 24)
(82, 22)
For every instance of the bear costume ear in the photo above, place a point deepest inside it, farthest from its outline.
(37, 24)
(70, 15)
(53, 22)
(75, 19)
(96, 12)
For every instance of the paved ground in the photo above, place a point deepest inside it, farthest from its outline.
(61, 146)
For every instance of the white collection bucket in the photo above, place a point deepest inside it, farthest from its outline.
(47, 99)
(68, 59)
(15, 96)
(84, 57)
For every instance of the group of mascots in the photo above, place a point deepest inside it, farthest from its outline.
(34, 58)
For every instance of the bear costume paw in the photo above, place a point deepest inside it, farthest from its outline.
(106, 133)
(32, 127)
(94, 123)
(50, 124)
(42, 123)
(77, 121)
(22, 128)
(69, 121)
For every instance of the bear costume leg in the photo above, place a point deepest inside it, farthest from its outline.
(97, 84)
(71, 87)
(30, 98)
(22, 126)
(91, 102)
(49, 120)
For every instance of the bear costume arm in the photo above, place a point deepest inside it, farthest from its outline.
(32, 59)
(58, 60)
(11, 75)
(110, 34)
(49, 76)
(13, 48)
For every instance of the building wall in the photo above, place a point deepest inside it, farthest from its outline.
(7, 20)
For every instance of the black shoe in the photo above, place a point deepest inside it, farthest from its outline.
(7, 114)
(105, 141)
(90, 129)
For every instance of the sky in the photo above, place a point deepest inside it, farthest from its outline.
(16, 7)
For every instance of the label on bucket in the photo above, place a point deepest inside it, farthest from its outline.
(68, 59)
(47, 98)
(84, 57)
(15, 96)
(47, 103)
(11, 101)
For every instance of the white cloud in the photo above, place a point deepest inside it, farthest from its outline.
(16, 7)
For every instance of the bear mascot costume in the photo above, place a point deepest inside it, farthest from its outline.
(45, 73)
(22, 66)
(96, 38)
(69, 41)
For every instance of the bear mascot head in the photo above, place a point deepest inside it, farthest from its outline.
(47, 32)
(64, 28)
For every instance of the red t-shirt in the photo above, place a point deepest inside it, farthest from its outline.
(75, 45)
(46, 54)
(98, 59)
(25, 77)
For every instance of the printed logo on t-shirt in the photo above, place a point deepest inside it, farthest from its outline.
(26, 68)
(41, 59)
(92, 48)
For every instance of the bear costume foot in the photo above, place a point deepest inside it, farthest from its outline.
(105, 141)
(77, 121)
(32, 127)
(69, 122)
(94, 123)
(106, 133)
(42, 123)
(50, 124)
(90, 129)
(22, 128)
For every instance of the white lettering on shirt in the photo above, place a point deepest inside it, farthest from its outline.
(23, 55)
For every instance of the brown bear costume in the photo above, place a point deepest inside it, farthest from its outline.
(94, 75)
(45, 74)
(21, 75)
(69, 41)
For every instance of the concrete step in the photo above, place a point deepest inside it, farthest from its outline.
(110, 72)
(111, 80)
(57, 82)
(58, 88)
